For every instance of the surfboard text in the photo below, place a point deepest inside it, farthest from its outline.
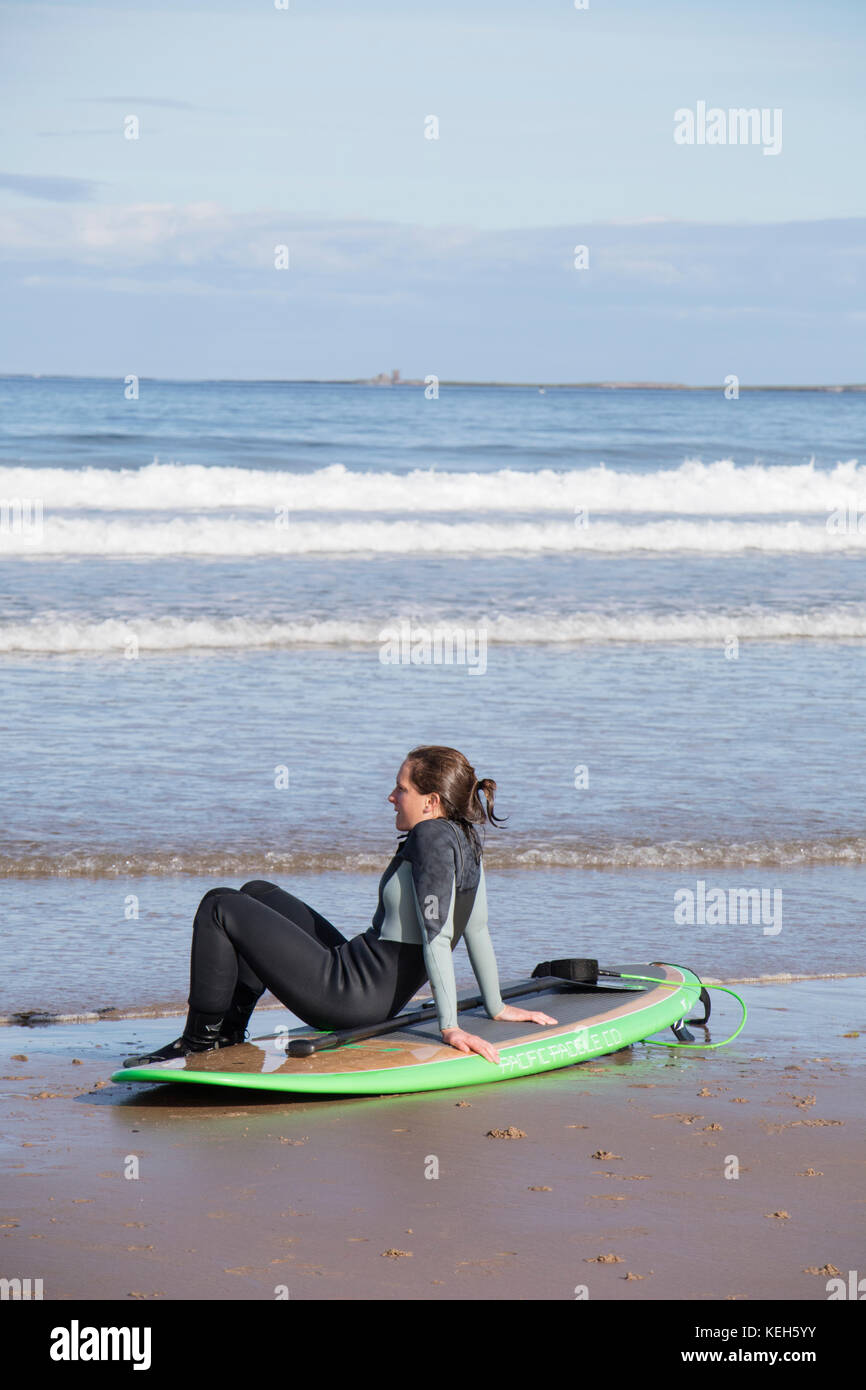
(553, 1054)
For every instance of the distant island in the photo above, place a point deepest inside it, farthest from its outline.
(393, 378)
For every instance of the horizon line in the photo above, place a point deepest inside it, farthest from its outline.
(410, 381)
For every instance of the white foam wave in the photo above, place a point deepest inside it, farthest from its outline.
(205, 536)
(56, 634)
(783, 978)
(49, 861)
(719, 488)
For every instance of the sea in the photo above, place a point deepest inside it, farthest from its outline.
(228, 609)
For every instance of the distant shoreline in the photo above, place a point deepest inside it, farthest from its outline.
(371, 381)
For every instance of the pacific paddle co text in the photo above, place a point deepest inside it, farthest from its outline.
(552, 1053)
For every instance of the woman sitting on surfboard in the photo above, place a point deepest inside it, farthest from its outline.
(432, 893)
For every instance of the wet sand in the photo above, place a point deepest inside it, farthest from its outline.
(608, 1178)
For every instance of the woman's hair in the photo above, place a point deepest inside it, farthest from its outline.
(447, 772)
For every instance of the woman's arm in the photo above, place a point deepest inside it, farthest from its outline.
(434, 878)
(483, 960)
(431, 852)
(476, 934)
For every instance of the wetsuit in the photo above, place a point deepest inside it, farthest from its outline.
(260, 937)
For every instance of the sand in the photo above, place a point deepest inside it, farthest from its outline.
(612, 1180)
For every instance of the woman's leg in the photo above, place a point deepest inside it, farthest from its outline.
(295, 910)
(241, 942)
(328, 986)
(249, 988)
(279, 952)
(241, 946)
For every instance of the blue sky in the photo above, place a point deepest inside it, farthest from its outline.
(305, 126)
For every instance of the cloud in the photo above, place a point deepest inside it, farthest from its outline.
(53, 188)
(667, 265)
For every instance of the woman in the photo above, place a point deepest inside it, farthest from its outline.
(432, 893)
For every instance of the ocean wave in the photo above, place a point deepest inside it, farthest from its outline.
(54, 634)
(694, 488)
(528, 854)
(785, 977)
(234, 538)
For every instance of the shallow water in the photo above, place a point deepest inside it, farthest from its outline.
(660, 661)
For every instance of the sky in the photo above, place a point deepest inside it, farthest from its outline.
(262, 124)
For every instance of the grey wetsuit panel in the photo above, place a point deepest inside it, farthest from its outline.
(432, 894)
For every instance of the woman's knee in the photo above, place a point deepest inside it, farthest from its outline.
(257, 888)
(215, 893)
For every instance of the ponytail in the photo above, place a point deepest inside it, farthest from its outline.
(448, 773)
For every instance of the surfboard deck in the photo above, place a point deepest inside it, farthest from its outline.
(591, 1022)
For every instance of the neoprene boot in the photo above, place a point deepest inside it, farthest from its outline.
(244, 1000)
(203, 1032)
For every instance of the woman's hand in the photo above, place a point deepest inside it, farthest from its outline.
(511, 1015)
(468, 1042)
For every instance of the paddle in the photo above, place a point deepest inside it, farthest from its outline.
(582, 972)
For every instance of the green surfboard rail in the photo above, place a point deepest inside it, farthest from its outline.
(578, 1044)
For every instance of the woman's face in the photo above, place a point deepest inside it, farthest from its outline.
(410, 804)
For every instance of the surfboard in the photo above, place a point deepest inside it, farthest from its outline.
(591, 1022)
